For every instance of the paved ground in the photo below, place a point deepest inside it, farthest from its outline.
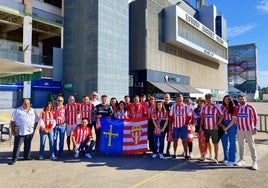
(130, 171)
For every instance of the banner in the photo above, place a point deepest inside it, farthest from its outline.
(123, 136)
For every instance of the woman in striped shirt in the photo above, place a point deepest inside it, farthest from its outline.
(47, 123)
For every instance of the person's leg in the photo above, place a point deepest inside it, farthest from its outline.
(162, 142)
(155, 144)
(16, 149)
(232, 144)
(151, 134)
(51, 146)
(27, 146)
(241, 144)
(55, 138)
(62, 130)
(90, 147)
(250, 140)
(224, 142)
(42, 144)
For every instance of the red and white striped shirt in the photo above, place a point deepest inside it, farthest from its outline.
(159, 116)
(210, 113)
(246, 118)
(150, 111)
(137, 110)
(86, 111)
(81, 133)
(121, 114)
(48, 118)
(59, 114)
(179, 115)
(71, 112)
(228, 116)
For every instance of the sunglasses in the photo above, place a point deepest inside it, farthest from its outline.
(60, 100)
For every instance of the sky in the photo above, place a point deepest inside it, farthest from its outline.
(247, 22)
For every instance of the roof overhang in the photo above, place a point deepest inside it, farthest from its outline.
(11, 71)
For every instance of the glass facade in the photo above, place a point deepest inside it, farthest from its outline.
(242, 67)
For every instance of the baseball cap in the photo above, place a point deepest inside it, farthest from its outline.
(208, 95)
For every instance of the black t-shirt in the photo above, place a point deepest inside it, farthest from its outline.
(104, 110)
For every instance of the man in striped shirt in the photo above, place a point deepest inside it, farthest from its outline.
(87, 109)
(211, 118)
(180, 114)
(72, 111)
(247, 128)
(82, 139)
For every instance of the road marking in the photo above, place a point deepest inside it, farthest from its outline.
(156, 175)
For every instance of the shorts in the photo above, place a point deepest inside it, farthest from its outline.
(69, 129)
(213, 134)
(182, 132)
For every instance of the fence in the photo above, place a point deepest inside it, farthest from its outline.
(263, 127)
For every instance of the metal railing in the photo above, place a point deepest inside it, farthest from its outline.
(262, 120)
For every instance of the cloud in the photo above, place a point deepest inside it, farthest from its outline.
(262, 7)
(262, 79)
(238, 30)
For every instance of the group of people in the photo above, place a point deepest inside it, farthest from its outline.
(167, 123)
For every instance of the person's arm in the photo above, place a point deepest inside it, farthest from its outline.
(232, 122)
(12, 126)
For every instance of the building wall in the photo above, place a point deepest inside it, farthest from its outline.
(96, 47)
(160, 56)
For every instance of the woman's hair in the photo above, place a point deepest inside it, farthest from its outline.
(163, 106)
(231, 105)
(47, 104)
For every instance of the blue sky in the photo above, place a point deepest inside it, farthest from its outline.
(247, 22)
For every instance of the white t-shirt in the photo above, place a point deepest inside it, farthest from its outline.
(25, 120)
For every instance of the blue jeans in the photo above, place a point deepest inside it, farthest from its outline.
(159, 139)
(228, 141)
(43, 137)
(59, 131)
(83, 146)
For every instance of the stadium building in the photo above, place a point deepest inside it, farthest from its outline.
(177, 48)
(31, 33)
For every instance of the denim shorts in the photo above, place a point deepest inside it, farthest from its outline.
(180, 133)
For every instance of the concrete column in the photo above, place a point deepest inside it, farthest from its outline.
(27, 50)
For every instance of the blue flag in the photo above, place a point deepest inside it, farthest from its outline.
(111, 136)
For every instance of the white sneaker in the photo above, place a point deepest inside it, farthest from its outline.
(240, 163)
(215, 161)
(88, 155)
(254, 166)
(76, 154)
(211, 157)
(154, 156)
(229, 164)
(161, 156)
(191, 155)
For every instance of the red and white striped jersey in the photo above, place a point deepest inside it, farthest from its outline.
(59, 114)
(121, 114)
(246, 118)
(81, 133)
(228, 116)
(48, 118)
(71, 112)
(150, 111)
(159, 116)
(179, 115)
(211, 113)
(137, 110)
(86, 111)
